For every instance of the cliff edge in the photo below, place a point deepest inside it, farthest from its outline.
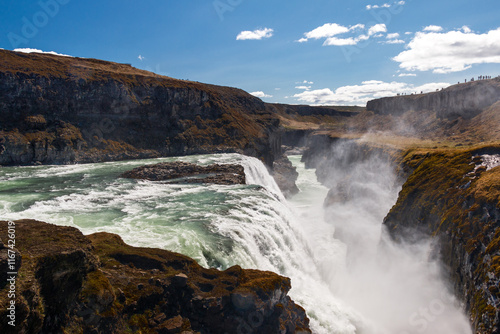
(464, 100)
(60, 110)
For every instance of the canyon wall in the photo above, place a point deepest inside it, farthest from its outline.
(67, 110)
(450, 195)
(463, 100)
(455, 197)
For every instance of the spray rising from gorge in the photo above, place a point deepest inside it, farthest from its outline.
(341, 275)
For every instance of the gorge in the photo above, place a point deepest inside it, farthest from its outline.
(413, 163)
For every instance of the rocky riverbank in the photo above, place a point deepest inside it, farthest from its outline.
(68, 282)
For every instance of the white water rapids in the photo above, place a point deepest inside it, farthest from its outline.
(349, 286)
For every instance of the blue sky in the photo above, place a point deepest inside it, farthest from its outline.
(294, 51)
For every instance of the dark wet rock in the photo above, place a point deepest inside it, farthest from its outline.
(73, 283)
(184, 172)
(285, 176)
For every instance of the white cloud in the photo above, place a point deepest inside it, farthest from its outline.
(452, 51)
(395, 41)
(303, 87)
(357, 26)
(360, 94)
(340, 41)
(326, 30)
(141, 58)
(378, 28)
(307, 82)
(385, 5)
(408, 33)
(407, 75)
(260, 94)
(433, 28)
(277, 89)
(29, 50)
(256, 34)
(330, 32)
(466, 29)
(391, 36)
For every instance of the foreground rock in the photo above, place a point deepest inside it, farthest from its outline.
(71, 283)
(184, 172)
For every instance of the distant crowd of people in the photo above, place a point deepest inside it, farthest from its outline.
(481, 77)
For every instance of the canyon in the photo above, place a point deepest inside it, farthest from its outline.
(63, 110)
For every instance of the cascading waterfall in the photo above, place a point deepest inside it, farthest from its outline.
(250, 225)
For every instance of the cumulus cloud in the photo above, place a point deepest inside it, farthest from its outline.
(303, 87)
(466, 29)
(407, 75)
(331, 31)
(394, 41)
(141, 58)
(391, 36)
(29, 50)
(378, 28)
(360, 94)
(433, 28)
(260, 94)
(451, 51)
(325, 31)
(340, 41)
(385, 5)
(256, 34)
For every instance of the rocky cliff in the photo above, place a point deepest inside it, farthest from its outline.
(449, 194)
(455, 197)
(70, 283)
(463, 100)
(66, 110)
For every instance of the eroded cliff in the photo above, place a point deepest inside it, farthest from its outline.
(66, 110)
(464, 100)
(454, 196)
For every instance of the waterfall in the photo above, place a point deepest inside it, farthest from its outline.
(248, 225)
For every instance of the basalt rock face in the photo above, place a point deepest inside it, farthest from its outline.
(285, 176)
(66, 110)
(71, 283)
(464, 100)
(184, 172)
(455, 198)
